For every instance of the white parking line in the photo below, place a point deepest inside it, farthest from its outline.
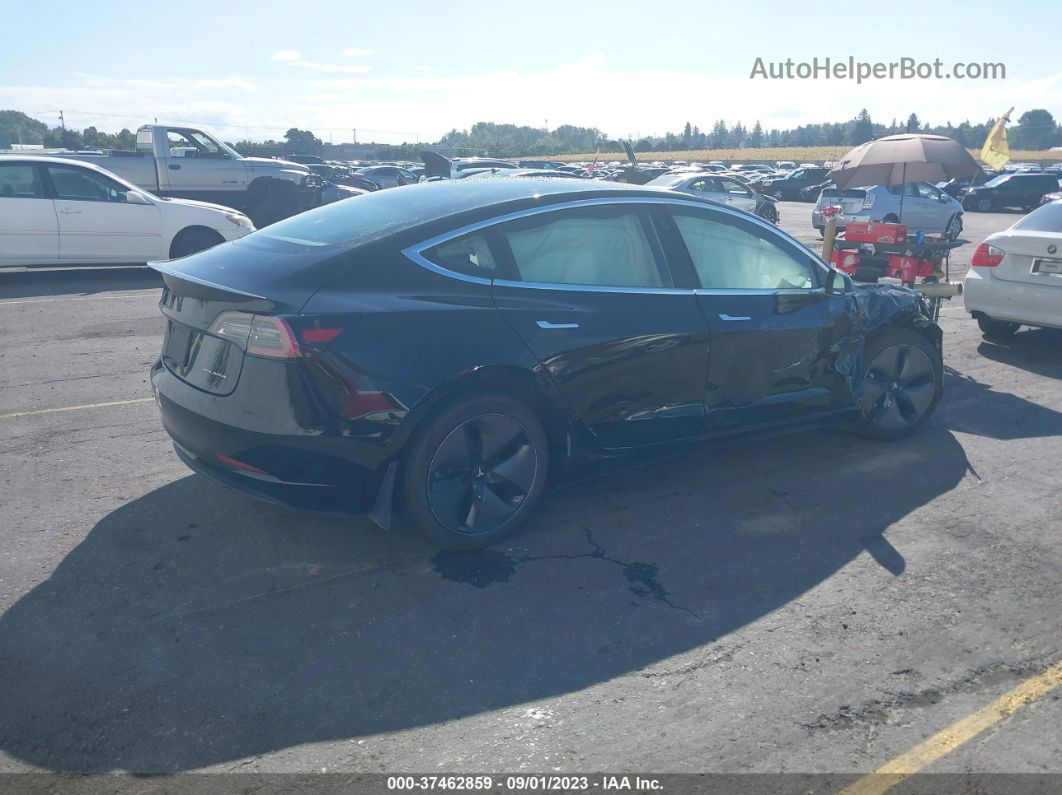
(78, 298)
(76, 408)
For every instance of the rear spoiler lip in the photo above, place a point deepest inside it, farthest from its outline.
(210, 290)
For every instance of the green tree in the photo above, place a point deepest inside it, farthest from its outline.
(1036, 129)
(861, 129)
(303, 141)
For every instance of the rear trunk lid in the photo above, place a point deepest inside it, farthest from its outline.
(205, 337)
(851, 199)
(1029, 258)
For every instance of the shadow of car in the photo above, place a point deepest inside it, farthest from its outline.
(192, 627)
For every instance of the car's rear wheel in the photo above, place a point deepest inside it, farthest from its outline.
(475, 472)
(902, 384)
(984, 205)
(1000, 329)
(189, 241)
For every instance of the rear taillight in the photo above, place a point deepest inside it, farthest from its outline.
(272, 337)
(987, 256)
(235, 326)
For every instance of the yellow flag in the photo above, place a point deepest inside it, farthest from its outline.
(996, 151)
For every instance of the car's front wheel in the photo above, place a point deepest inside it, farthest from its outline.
(902, 384)
(954, 227)
(475, 472)
(768, 212)
(984, 205)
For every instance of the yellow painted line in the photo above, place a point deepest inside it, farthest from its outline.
(962, 731)
(79, 298)
(76, 408)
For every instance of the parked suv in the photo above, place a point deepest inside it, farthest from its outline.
(1022, 191)
(789, 186)
(925, 207)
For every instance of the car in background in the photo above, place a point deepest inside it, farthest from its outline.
(788, 187)
(811, 192)
(1010, 190)
(442, 353)
(925, 208)
(1015, 276)
(527, 172)
(785, 165)
(59, 211)
(540, 164)
(388, 176)
(721, 189)
(337, 175)
(1052, 197)
(956, 188)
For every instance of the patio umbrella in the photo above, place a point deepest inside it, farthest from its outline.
(896, 159)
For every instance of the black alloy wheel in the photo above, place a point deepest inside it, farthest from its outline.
(481, 474)
(475, 472)
(901, 385)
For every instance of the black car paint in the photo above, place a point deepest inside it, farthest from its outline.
(325, 430)
(1018, 190)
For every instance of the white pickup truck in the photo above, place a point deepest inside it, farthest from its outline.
(187, 163)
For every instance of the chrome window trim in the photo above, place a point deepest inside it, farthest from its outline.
(416, 251)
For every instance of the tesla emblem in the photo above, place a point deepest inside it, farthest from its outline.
(1052, 249)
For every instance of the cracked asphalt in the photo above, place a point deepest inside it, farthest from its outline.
(814, 603)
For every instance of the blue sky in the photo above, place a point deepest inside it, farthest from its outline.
(404, 71)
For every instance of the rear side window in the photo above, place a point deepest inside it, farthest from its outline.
(19, 181)
(599, 246)
(728, 256)
(1047, 218)
(470, 254)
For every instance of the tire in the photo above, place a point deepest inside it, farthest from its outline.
(891, 219)
(769, 213)
(275, 204)
(984, 205)
(459, 493)
(903, 379)
(190, 241)
(997, 329)
(953, 234)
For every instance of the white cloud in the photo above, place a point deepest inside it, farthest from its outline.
(294, 58)
(357, 52)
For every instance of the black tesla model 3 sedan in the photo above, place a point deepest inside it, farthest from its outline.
(441, 351)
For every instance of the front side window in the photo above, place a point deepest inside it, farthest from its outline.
(83, 185)
(927, 191)
(733, 186)
(19, 181)
(600, 246)
(734, 256)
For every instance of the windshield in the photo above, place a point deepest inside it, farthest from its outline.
(1046, 218)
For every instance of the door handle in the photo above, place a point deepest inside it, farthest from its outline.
(724, 316)
(547, 324)
(68, 211)
(174, 167)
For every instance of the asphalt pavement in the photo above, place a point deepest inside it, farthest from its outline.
(815, 603)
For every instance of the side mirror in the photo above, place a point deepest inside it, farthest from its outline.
(134, 197)
(838, 283)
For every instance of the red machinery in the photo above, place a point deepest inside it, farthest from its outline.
(872, 250)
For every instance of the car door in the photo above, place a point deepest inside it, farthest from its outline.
(737, 195)
(773, 324)
(936, 211)
(589, 293)
(99, 221)
(29, 228)
(196, 167)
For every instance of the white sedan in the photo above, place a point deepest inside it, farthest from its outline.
(63, 212)
(1015, 277)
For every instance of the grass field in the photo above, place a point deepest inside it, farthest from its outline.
(805, 154)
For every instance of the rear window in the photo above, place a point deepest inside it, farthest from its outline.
(1047, 218)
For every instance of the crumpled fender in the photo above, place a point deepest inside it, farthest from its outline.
(873, 307)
